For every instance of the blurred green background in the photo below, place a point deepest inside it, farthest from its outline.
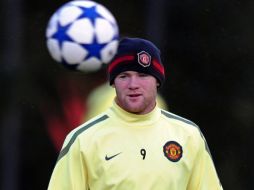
(207, 48)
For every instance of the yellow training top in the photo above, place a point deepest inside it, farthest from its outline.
(118, 150)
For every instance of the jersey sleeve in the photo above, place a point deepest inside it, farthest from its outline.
(70, 172)
(204, 175)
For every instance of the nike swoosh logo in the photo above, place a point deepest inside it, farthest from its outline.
(110, 157)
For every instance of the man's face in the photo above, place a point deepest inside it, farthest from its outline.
(136, 92)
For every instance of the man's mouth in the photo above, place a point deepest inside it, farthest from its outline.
(134, 95)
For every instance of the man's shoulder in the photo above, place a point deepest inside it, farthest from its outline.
(182, 124)
(88, 126)
(94, 122)
(178, 119)
(85, 131)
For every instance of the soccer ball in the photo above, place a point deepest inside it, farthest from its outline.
(82, 35)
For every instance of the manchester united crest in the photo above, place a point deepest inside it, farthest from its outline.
(144, 59)
(173, 151)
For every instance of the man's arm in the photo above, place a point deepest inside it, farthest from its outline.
(70, 170)
(204, 175)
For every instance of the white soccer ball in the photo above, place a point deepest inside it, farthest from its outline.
(82, 35)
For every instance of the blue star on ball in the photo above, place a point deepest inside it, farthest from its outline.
(90, 13)
(61, 34)
(94, 48)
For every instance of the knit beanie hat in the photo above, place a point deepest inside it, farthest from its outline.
(136, 54)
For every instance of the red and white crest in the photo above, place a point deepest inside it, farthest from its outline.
(173, 151)
(144, 59)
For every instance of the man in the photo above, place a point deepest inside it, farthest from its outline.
(135, 145)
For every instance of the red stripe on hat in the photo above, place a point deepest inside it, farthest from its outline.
(119, 60)
(158, 66)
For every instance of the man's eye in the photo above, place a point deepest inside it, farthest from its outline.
(122, 76)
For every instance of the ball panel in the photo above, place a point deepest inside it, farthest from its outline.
(105, 13)
(90, 65)
(68, 14)
(81, 31)
(52, 26)
(104, 31)
(73, 53)
(54, 50)
(109, 51)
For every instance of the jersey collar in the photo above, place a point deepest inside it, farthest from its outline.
(135, 119)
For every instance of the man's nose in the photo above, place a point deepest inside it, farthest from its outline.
(133, 83)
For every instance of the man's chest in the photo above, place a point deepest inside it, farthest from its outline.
(137, 157)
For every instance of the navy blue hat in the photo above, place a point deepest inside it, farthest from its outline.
(136, 54)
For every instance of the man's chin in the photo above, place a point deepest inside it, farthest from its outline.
(135, 108)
